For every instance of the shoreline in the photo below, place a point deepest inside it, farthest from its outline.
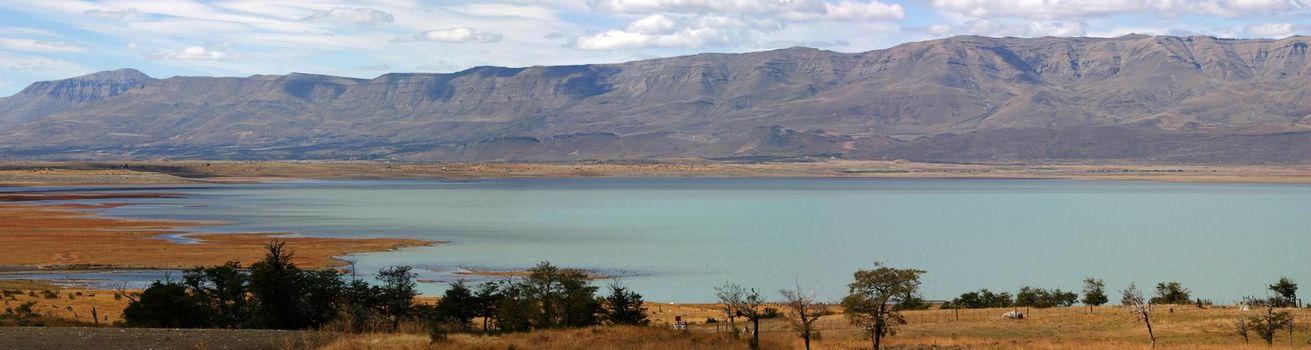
(146, 174)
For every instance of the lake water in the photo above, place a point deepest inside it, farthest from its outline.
(675, 239)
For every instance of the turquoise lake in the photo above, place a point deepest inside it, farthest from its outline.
(675, 239)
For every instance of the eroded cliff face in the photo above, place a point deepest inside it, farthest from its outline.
(1186, 99)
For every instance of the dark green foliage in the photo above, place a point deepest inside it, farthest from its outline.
(397, 293)
(360, 303)
(486, 301)
(983, 298)
(1094, 292)
(222, 289)
(457, 308)
(274, 294)
(1171, 293)
(516, 310)
(871, 295)
(550, 297)
(624, 306)
(167, 305)
(912, 301)
(286, 297)
(565, 296)
(1042, 298)
(1285, 293)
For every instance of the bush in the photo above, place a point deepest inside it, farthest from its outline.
(624, 306)
(983, 298)
(49, 294)
(1042, 298)
(1171, 293)
(274, 293)
(167, 305)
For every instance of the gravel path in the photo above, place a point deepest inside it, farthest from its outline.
(70, 338)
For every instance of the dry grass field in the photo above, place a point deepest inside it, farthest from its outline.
(1177, 327)
(1186, 327)
(73, 305)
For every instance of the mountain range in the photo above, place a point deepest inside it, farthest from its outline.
(971, 99)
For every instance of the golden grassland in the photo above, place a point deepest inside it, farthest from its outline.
(69, 304)
(192, 172)
(1107, 327)
(1186, 327)
(596, 338)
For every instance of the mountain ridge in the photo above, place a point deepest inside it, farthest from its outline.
(1187, 96)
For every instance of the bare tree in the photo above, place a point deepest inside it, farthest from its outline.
(746, 303)
(1133, 300)
(730, 296)
(121, 289)
(805, 312)
(1240, 328)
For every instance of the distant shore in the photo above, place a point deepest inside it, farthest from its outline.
(155, 173)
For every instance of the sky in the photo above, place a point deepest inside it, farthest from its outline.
(55, 39)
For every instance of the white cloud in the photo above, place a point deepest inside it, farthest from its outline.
(1067, 9)
(653, 24)
(130, 14)
(38, 45)
(459, 35)
(42, 64)
(618, 39)
(1270, 30)
(211, 52)
(850, 10)
(352, 15)
(1055, 28)
(701, 23)
(23, 68)
(939, 29)
(788, 9)
(505, 10)
(670, 30)
(1004, 27)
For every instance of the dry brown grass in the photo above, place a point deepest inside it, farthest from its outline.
(77, 309)
(1184, 327)
(597, 338)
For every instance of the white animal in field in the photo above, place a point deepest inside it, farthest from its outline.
(1013, 315)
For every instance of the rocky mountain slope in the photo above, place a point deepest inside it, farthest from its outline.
(961, 99)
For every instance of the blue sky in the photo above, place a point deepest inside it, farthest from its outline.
(52, 39)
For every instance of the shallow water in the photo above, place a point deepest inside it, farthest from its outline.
(675, 239)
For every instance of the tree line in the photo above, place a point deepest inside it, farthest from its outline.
(276, 294)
